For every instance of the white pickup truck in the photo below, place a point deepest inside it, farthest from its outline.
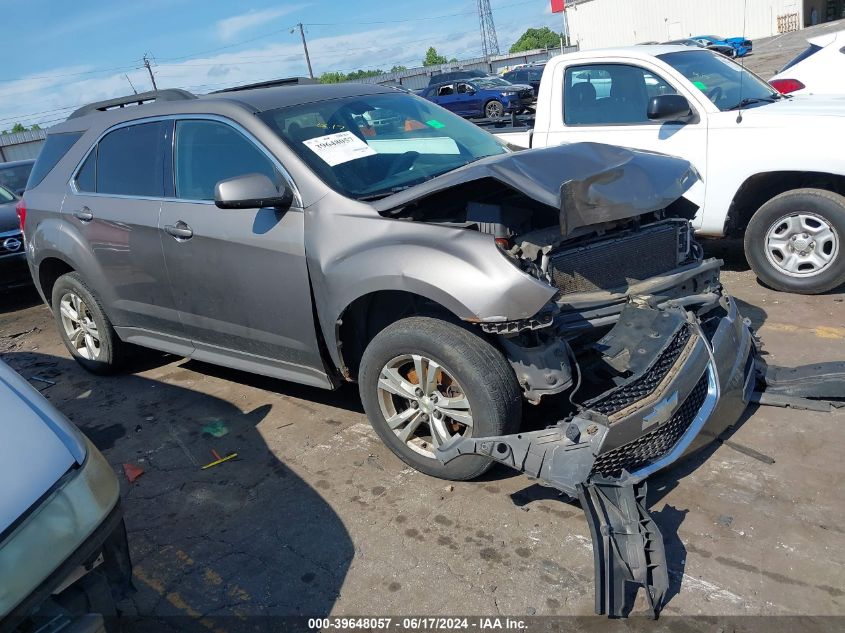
(771, 166)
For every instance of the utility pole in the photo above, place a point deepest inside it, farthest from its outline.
(150, 70)
(305, 48)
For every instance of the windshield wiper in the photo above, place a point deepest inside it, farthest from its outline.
(751, 100)
(383, 194)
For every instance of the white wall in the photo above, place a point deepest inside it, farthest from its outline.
(600, 23)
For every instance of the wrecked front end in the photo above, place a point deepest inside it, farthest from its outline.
(640, 351)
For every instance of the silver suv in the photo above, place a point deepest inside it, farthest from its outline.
(279, 231)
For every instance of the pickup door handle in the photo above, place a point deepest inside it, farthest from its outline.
(180, 230)
(84, 214)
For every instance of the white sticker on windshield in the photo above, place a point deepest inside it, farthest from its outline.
(339, 148)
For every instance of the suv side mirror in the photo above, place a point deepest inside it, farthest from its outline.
(251, 191)
(668, 108)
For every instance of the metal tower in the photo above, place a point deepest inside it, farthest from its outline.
(489, 43)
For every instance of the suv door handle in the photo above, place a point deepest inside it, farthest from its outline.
(180, 230)
(84, 214)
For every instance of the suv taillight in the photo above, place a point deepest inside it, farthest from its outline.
(20, 207)
(785, 86)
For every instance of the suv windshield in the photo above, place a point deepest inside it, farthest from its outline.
(727, 84)
(371, 146)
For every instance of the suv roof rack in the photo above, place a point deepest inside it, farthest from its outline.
(171, 94)
(286, 81)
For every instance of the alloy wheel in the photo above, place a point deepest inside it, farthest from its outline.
(79, 326)
(422, 403)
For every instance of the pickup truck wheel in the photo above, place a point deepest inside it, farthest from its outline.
(493, 109)
(423, 381)
(794, 242)
(85, 329)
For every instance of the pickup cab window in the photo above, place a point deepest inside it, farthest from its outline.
(610, 94)
(727, 84)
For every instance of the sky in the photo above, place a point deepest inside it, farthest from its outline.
(64, 55)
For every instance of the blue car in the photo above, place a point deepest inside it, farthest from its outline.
(741, 45)
(489, 97)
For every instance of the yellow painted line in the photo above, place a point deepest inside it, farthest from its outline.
(174, 598)
(822, 331)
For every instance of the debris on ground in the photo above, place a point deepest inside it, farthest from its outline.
(219, 460)
(132, 472)
(215, 428)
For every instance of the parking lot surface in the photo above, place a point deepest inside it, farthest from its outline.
(316, 516)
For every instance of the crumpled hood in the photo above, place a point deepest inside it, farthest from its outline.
(589, 183)
(37, 446)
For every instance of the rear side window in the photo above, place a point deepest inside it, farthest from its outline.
(86, 179)
(207, 152)
(807, 52)
(57, 145)
(130, 160)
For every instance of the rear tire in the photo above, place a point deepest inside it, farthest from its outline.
(85, 329)
(795, 243)
(467, 371)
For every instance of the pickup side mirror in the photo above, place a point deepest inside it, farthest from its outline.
(251, 191)
(669, 108)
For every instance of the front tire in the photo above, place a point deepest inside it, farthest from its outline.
(423, 381)
(794, 242)
(85, 329)
(494, 109)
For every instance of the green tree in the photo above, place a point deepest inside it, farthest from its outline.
(536, 38)
(361, 74)
(17, 127)
(432, 58)
(453, 60)
(332, 78)
(398, 69)
(35, 127)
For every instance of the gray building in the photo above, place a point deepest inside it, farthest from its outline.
(21, 145)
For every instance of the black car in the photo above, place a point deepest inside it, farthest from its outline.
(13, 269)
(530, 75)
(13, 175)
(455, 75)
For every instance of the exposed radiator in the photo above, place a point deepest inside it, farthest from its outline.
(616, 263)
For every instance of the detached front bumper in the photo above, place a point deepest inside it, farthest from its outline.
(691, 378)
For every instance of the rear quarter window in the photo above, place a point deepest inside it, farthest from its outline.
(56, 146)
(812, 49)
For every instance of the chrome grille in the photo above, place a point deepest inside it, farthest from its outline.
(645, 385)
(653, 445)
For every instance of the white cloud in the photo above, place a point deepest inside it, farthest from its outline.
(50, 98)
(230, 27)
